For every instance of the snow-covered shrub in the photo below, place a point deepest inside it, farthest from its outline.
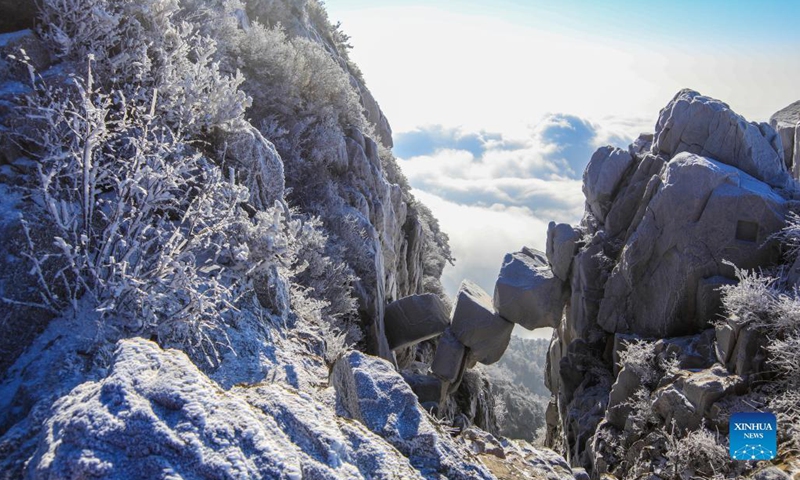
(786, 405)
(789, 236)
(121, 194)
(141, 225)
(639, 356)
(642, 418)
(338, 335)
(319, 266)
(753, 298)
(295, 82)
(697, 455)
(142, 45)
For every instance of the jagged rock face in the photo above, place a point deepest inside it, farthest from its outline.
(527, 292)
(393, 265)
(787, 123)
(665, 222)
(374, 114)
(701, 125)
(703, 214)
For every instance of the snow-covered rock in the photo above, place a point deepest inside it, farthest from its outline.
(370, 391)
(255, 163)
(156, 414)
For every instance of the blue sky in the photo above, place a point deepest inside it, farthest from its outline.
(729, 21)
(497, 106)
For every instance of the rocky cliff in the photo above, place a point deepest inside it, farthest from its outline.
(660, 332)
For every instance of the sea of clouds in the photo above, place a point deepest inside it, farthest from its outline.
(493, 194)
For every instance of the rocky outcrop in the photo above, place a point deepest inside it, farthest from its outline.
(379, 209)
(666, 222)
(415, 318)
(707, 127)
(703, 214)
(787, 123)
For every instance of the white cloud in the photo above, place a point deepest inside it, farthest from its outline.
(540, 173)
(494, 194)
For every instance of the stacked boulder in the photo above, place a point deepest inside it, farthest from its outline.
(667, 221)
(479, 327)
(476, 334)
(471, 333)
